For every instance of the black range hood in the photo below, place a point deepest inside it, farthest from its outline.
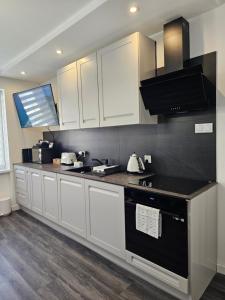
(176, 88)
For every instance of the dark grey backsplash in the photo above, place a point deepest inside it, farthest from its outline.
(176, 150)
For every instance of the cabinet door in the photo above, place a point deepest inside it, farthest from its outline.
(36, 191)
(68, 97)
(72, 204)
(119, 82)
(50, 196)
(105, 216)
(88, 91)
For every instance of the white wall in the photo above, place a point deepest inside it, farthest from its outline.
(207, 34)
(18, 138)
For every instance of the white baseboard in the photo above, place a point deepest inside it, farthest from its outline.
(221, 269)
(15, 207)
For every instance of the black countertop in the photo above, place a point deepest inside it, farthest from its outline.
(176, 187)
(170, 184)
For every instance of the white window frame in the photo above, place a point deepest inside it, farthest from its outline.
(5, 132)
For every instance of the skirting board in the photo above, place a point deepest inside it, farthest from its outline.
(121, 263)
(221, 269)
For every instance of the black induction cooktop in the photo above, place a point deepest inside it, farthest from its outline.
(170, 184)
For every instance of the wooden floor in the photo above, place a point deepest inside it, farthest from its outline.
(38, 263)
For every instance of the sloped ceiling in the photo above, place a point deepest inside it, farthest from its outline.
(31, 30)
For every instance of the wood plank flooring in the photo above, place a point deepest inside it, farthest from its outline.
(36, 262)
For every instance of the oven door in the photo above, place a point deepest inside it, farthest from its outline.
(170, 251)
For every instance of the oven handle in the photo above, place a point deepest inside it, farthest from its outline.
(163, 212)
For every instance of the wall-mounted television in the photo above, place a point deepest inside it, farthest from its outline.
(36, 107)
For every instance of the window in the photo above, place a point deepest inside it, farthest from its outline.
(4, 151)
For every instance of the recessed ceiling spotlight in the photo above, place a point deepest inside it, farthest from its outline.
(59, 51)
(23, 73)
(133, 9)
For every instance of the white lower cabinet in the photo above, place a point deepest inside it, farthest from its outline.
(22, 187)
(72, 204)
(91, 209)
(50, 196)
(21, 180)
(105, 216)
(36, 191)
(95, 211)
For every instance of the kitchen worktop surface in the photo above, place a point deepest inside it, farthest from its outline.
(122, 179)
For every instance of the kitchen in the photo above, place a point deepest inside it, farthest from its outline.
(179, 149)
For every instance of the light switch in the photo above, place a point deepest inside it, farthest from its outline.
(204, 128)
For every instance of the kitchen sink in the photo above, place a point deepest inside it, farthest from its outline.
(96, 171)
(81, 170)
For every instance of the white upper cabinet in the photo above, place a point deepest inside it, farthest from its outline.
(121, 66)
(88, 91)
(103, 89)
(68, 97)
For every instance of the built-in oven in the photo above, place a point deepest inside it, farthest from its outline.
(170, 249)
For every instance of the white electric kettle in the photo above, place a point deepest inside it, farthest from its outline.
(135, 164)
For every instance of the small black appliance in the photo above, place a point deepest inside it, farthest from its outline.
(27, 155)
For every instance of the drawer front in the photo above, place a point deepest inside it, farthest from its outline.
(169, 278)
(23, 199)
(21, 184)
(20, 173)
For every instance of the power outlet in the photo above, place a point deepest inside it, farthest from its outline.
(204, 128)
(148, 158)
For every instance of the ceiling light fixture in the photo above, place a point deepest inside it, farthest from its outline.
(133, 9)
(59, 51)
(23, 73)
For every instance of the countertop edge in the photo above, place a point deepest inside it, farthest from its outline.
(122, 180)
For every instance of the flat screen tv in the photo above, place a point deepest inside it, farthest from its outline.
(36, 107)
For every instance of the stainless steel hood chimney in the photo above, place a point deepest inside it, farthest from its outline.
(176, 88)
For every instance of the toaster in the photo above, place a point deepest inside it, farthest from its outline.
(68, 158)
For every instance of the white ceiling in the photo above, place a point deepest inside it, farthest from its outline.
(24, 22)
(32, 30)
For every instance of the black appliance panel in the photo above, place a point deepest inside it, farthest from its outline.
(27, 155)
(170, 251)
(183, 186)
(203, 90)
(177, 92)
